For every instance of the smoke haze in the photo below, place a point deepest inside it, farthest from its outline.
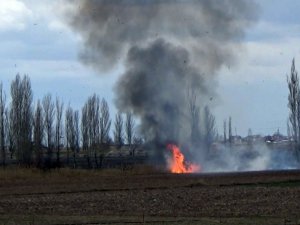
(168, 48)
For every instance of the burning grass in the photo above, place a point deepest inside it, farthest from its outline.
(177, 162)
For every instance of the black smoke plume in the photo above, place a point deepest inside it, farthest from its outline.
(168, 47)
(210, 29)
(154, 87)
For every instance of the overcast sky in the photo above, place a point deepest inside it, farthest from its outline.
(34, 40)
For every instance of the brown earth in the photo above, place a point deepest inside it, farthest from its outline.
(154, 195)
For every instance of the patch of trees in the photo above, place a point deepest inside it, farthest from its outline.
(202, 123)
(46, 133)
(230, 136)
(40, 133)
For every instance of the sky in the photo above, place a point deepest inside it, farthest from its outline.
(35, 40)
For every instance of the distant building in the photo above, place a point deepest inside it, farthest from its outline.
(237, 140)
(254, 139)
(276, 138)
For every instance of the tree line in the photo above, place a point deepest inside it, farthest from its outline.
(36, 134)
(203, 130)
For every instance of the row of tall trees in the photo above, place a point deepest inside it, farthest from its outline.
(203, 125)
(230, 136)
(39, 132)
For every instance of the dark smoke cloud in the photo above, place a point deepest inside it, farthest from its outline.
(210, 29)
(154, 86)
(169, 46)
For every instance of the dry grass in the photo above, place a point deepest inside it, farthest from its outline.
(18, 173)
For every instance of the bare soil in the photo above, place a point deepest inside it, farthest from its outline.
(125, 197)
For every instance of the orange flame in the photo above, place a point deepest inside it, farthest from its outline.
(177, 163)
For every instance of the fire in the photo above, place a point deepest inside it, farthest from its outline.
(177, 163)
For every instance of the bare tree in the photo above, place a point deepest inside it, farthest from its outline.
(72, 133)
(105, 123)
(27, 120)
(288, 129)
(129, 128)
(16, 117)
(7, 130)
(11, 135)
(293, 101)
(210, 128)
(75, 137)
(38, 134)
(230, 130)
(94, 122)
(91, 128)
(2, 124)
(225, 131)
(194, 118)
(118, 132)
(21, 118)
(85, 133)
(48, 107)
(69, 127)
(58, 128)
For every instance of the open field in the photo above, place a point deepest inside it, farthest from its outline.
(143, 196)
